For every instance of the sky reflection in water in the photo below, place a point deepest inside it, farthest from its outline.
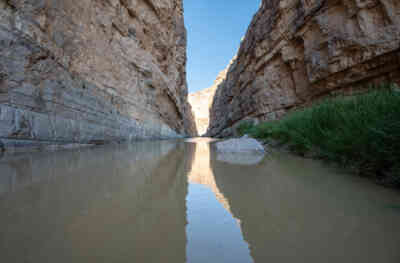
(178, 202)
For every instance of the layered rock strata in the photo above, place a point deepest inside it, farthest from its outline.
(201, 102)
(296, 51)
(96, 70)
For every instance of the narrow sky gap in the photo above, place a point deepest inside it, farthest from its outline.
(215, 28)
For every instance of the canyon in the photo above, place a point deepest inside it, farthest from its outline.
(92, 71)
(121, 203)
(201, 102)
(77, 73)
(298, 51)
(99, 71)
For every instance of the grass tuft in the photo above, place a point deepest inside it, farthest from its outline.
(361, 131)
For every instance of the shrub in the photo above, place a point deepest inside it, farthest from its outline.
(245, 128)
(362, 130)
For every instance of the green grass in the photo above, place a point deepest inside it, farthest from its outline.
(360, 131)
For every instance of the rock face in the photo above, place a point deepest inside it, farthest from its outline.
(201, 102)
(93, 70)
(241, 145)
(296, 51)
(242, 151)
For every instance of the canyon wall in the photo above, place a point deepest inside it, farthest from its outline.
(296, 51)
(93, 70)
(201, 102)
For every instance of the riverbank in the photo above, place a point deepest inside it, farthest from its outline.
(360, 132)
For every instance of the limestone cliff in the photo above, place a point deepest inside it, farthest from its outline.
(296, 51)
(93, 70)
(201, 102)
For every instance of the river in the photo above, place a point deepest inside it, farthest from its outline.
(175, 201)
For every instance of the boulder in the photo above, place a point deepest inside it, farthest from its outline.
(240, 145)
(240, 158)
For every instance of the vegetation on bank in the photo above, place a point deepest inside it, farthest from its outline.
(361, 131)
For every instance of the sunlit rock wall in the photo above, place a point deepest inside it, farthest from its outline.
(296, 51)
(201, 102)
(81, 71)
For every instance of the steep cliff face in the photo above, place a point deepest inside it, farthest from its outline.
(81, 71)
(201, 102)
(296, 51)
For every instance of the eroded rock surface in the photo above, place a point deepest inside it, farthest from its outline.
(296, 51)
(201, 102)
(94, 70)
(241, 151)
(240, 145)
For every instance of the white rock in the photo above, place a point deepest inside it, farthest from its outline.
(240, 158)
(241, 145)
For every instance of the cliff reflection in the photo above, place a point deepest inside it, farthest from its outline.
(115, 204)
(201, 173)
(296, 210)
(213, 234)
(177, 202)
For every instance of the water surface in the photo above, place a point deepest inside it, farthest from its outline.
(176, 201)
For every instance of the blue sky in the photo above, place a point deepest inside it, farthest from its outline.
(215, 28)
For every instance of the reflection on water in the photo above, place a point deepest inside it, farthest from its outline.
(240, 158)
(213, 234)
(177, 202)
(296, 210)
(115, 204)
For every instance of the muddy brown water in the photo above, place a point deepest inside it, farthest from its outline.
(174, 201)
